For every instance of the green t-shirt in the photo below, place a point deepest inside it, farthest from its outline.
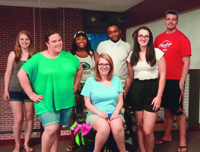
(54, 79)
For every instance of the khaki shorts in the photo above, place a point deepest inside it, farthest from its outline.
(90, 119)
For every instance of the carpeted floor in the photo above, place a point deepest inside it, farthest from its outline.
(62, 147)
(192, 140)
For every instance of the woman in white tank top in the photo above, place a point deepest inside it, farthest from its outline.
(81, 48)
(146, 80)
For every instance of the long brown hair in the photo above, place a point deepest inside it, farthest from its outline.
(150, 54)
(110, 73)
(18, 50)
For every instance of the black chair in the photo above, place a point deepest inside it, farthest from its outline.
(110, 145)
(130, 123)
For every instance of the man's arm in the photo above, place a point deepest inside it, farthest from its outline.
(186, 66)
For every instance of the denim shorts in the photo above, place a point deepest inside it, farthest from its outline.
(19, 96)
(63, 117)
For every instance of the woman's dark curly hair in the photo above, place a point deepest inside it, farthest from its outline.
(74, 47)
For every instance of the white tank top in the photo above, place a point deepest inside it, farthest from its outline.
(88, 64)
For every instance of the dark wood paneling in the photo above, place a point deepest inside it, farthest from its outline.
(193, 119)
(150, 10)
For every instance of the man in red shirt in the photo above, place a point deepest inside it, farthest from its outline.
(177, 49)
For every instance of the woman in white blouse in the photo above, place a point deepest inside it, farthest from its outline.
(144, 84)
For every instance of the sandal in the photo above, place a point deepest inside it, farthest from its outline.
(162, 141)
(27, 148)
(181, 147)
(17, 149)
(70, 147)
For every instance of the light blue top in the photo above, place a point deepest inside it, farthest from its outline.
(104, 99)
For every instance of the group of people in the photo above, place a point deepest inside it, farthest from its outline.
(150, 76)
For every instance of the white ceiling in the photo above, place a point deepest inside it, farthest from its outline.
(98, 5)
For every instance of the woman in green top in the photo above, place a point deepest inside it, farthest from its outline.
(54, 75)
(14, 93)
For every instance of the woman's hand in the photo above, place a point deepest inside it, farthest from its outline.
(156, 103)
(36, 98)
(79, 89)
(6, 96)
(103, 115)
(75, 88)
(114, 116)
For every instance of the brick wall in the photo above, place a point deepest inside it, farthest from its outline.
(12, 20)
(36, 21)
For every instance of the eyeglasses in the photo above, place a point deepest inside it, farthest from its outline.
(101, 65)
(143, 36)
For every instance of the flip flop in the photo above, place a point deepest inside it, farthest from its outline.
(181, 147)
(17, 149)
(70, 147)
(162, 141)
(28, 148)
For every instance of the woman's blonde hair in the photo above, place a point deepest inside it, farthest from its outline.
(110, 73)
(18, 50)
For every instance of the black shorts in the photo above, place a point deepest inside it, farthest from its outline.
(19, 96)
(173, 97)
(142, 93)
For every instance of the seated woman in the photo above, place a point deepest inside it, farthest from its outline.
(103, 95)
